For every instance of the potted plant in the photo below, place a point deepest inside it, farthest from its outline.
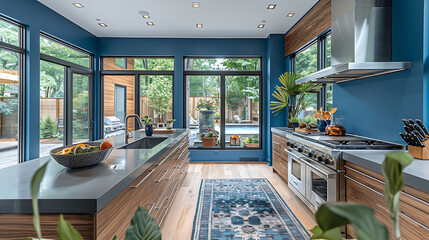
(209, 138)
(147, 121)
(169, 123)
(293, 122)
(291, 95)
(207, 114)
(252, 142)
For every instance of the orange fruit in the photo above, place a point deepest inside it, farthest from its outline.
(105, 145)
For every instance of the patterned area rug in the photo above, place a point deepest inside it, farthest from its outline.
(245, 209)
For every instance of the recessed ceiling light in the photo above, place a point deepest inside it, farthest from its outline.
(291, 14)
(271, 6)
(150, 23)
(261, 25)
(144, 14)
(78, 5)
(199, 25)
(195, 4)
(102, 25)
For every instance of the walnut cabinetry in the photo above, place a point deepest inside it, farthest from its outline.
(366, 187)
(279, 156)
(155, 189)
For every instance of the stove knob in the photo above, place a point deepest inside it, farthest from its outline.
(320, 159)
(310, 154)
(300, 150)
(288, 144)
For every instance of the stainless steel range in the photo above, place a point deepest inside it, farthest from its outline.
(315, 167)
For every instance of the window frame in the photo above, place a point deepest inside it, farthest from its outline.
(223, 74)
(321, 63)
(71, 68)
(136, 74)
(21, 50)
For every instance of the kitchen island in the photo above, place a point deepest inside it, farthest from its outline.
(100, 200)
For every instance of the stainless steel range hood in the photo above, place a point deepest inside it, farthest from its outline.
(361, 35)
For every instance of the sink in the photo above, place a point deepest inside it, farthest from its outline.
(144, 143)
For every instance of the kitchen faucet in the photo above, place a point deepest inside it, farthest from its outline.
(126, 125)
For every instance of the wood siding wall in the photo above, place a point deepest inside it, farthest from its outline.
(109, 88)
(314, 23)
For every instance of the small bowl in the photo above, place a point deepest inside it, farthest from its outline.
(81, 160)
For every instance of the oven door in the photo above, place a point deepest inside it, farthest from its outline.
(296, 171)
(321, 184)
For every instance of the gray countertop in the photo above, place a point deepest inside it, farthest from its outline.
(85, 190)
(416, 175)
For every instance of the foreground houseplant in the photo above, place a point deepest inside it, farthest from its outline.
(209, 138)
(331, 216)
(143, 226)
(291, 95)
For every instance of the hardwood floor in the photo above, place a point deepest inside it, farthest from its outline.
(179, 222)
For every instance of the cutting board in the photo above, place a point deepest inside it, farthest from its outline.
(164, 130)
(305, 130)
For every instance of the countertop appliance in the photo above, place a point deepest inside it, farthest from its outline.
(315, 166)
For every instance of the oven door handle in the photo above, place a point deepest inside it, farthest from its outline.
(324, 173)
(292, 152)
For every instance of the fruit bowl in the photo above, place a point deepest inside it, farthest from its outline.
(82, 159)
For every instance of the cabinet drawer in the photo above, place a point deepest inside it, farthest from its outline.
(411, 206)
(280, 166)
(359, 193)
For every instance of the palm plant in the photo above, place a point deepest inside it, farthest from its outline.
(291, 95)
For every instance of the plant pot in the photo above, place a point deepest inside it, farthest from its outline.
(206, 120)
(209, 141)
(252, 145)
(169, 125)
(322, 124)
(148, 129)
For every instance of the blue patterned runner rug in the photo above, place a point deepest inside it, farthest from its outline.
(245, 209)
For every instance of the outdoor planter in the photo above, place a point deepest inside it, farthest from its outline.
(209, 141)
(206, 120)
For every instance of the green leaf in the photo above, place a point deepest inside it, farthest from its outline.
(115, 238)
(334, 215)
(393, 166)
(35, 187)
(66, 231)
(143, 227)
(332, 234)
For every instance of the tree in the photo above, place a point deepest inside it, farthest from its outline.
(160, 93)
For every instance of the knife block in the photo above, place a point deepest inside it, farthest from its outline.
(420, 152)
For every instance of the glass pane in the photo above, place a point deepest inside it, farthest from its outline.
(51, 107)
(80, 108)
(329, 96)
(9, 33)
(118, 102)
(9, 99)
(319, 186)
(225, 64)
(130, 63)
(296, 169)
(328, 51)
(156, 97)
(61, 51)
(242, 111)
(204, 110)
(311, 98)
(306, 61)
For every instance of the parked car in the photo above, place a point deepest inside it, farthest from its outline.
(112, 124)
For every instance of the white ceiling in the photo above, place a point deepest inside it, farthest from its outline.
(177, 18)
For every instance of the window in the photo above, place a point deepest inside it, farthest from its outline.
(12, 55)
(144, 87)
(66, 115)
(223, 95)
(121, 62)
(311, 58)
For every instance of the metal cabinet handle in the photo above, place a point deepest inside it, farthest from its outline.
(138, 184)
(283, 165)
(276, 142)
(163, 175)
(163, 217)
(290, 151)
(152, 205)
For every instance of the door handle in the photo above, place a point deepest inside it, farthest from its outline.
(162, 177)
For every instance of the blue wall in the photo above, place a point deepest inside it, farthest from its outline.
(179, 48)
(38, 18)
(374, 107)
